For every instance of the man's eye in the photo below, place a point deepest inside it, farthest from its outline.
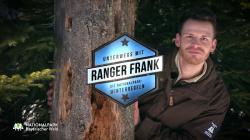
(189, 36)
(204, 39)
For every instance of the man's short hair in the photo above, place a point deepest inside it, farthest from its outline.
(203, 14)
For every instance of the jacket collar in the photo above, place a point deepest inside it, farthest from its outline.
(207, 69)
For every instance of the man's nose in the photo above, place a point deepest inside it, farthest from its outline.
(196, 42)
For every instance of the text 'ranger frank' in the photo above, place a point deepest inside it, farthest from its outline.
(126, 69)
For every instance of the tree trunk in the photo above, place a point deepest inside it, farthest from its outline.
(82, 26)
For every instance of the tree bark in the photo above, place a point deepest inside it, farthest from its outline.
(81, 26)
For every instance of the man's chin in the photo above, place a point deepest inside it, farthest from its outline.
(194, 60)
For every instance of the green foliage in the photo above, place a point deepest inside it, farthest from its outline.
(17, 86)
(27, 43)
(26, 57)
(10, 39)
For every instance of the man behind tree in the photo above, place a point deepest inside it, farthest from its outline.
(192, 100)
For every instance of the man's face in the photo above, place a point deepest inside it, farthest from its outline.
(196, 41)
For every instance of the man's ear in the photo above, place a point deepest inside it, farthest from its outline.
(177, 40)
(214, 44)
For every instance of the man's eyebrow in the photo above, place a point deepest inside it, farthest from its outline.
(204, 35)
(207, 36)
(187, 33)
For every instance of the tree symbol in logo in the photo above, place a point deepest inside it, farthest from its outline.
(18, 126)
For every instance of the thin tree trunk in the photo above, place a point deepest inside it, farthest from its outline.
(82, 26)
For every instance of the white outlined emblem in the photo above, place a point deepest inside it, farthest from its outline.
(210, 131)
(124, 69)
